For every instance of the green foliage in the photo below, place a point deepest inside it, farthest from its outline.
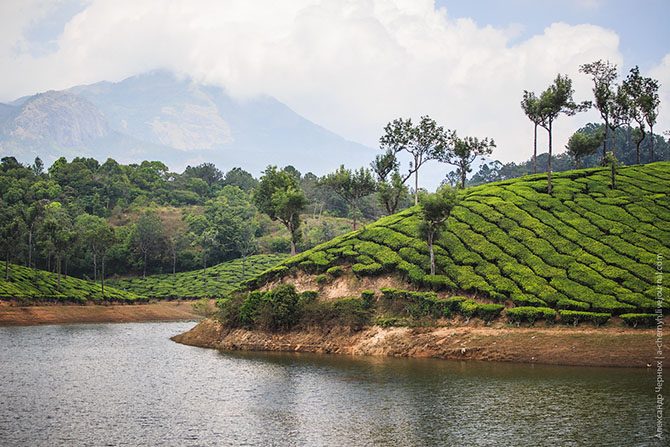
(214, 281)
(575, 316)
(36, 286)
(584, 248)
(530, 314)
(642, 320)
(335, 271)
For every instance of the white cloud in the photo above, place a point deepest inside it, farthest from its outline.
(349, 65)
(662, 73)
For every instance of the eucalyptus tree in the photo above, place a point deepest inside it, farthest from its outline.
(351, 186)
(603, 74)
(462, 152)
(435, 210)
(423, 142)
(530, 105)
(12, 229)
(148, 238)
(554, 101)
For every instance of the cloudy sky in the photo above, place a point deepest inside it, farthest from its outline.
(349, 65)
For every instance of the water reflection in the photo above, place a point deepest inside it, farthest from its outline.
(127, 384)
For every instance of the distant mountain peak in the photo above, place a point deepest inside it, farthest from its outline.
(161, 115)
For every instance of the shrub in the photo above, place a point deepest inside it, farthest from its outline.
(368, 297)
(635, 320)
(348, 312)
(279, 308)
(371, 269)
(308, 296)
(335, 271)
(575, 316)
(530, 314)
(567, 303)
(386, 321)
(468, 308)
(488, 312)
(321, 279)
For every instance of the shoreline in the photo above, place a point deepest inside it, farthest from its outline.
(557, 345)
(14, 315)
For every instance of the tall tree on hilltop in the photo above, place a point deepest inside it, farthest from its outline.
(352, 186)
(462, 152)
(603, 74)
(422, 142)
(554, 101)
(530, 105)
(279, 196)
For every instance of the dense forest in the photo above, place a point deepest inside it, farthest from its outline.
(141, 218)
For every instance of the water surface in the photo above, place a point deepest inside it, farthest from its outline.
(128, 384)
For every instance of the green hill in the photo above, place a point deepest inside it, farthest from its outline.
(586, 247)
(28, 284)
(215, 281)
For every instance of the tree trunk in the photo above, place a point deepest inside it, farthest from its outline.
(7, 266)
(463, 176)
(102, 276)
(293, 251)
(416, 182)
(651, 147)
(432, 254)
(144, 266)
(58, 270)
(549, 188)
(95, 267)
(30, 248)
(607, 128)
(535, 150)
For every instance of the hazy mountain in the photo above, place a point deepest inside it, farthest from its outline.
(160, 117)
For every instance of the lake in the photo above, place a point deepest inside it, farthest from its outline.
(128, 384)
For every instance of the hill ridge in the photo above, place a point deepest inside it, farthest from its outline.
(585, 247)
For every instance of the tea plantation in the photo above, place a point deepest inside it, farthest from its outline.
(213, 282)
(585, 248)
(31, 285)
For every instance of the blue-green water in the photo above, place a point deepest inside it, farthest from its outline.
(128, 384)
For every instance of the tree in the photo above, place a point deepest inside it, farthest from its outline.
(603, 74)
(57, 233)
(435, 210)
(581, 145)
(233, 218)
(463, 151)
(530, 105)
(613, 163)
(391, 190)
(554, 101)
(279, 196)
(422, 142)
(634, 88)
(12, 228)
(240, 178)
(351, 186)
(97, 235)
(148, 238)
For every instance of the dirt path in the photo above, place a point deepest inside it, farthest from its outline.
(12, 315)
(559, 345)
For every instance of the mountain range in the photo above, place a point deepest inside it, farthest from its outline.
(160, 116)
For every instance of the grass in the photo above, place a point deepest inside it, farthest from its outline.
(215, 281)
(32, 285)
(585, 248)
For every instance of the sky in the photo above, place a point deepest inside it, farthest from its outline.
(348, 65)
